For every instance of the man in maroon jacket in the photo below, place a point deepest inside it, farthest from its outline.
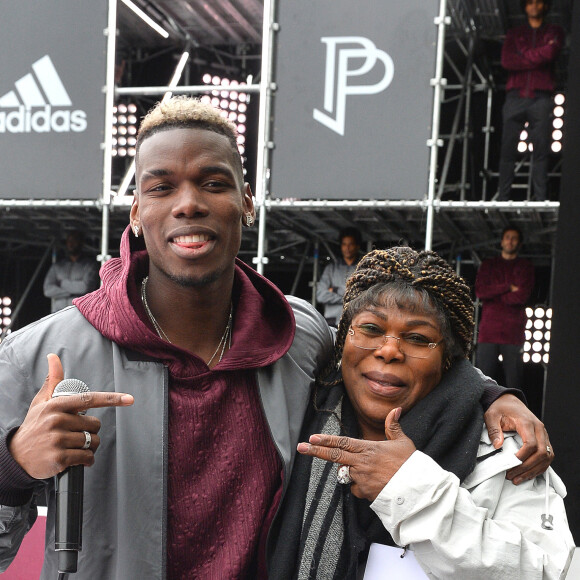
(528, 53)
(504, 284)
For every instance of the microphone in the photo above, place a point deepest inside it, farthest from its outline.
(69, 497)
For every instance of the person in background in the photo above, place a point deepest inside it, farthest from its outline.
(72, 276)
(528, 54)
(504, 284)
(330, 287)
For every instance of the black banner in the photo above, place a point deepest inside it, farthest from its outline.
(52, 104)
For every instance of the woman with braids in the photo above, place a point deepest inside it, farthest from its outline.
(397, 453)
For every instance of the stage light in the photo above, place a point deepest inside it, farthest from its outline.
(537, 334)
(558, 123)
(124, 123)
(230, 102)
(5, 312)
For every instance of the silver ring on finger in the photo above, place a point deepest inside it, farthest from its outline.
(343, 475)
(88, 440)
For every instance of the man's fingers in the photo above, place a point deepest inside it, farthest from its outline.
(493, 424)
(54, 376)
(92, 400)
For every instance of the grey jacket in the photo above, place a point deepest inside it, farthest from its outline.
(65, 280)
(334, 276)
(124, 528)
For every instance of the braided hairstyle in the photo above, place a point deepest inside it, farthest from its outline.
(415, 282)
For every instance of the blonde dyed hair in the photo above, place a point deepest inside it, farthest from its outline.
(183, 112)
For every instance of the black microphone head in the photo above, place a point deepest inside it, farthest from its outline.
(70, 387)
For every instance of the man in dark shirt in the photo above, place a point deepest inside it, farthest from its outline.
(504, 284)
(528, 54)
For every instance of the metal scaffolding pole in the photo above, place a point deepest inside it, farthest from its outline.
(270, 27)
(488, 129)
(109, 90)
(435, 142)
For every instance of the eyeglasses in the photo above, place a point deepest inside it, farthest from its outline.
(368, 337)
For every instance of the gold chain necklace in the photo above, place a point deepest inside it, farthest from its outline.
(225, 340)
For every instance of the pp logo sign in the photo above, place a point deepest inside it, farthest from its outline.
(339, 72)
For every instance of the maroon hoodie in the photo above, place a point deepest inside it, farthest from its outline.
(224, 473)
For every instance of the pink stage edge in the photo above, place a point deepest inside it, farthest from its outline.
(28, 562)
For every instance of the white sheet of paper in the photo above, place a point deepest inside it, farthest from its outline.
(385, 562)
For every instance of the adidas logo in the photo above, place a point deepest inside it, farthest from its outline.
(34, 99)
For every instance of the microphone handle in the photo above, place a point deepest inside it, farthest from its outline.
(69, 517)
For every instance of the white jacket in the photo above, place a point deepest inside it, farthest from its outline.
(485, 528)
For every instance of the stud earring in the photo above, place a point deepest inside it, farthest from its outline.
(249, 219)
(136, 231)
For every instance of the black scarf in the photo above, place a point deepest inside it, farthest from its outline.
(323, 530)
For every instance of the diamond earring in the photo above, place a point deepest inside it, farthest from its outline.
(249, 219)
(136, 231)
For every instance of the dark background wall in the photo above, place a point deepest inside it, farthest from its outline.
(562, 404)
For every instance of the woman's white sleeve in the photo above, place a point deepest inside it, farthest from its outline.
(490, 531)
